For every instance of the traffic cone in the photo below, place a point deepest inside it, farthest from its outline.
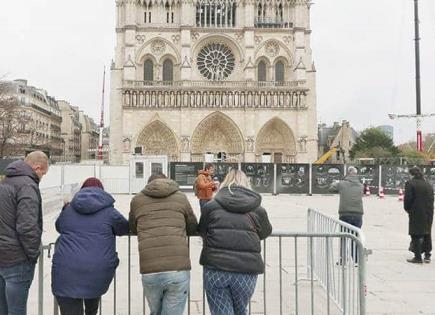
(367, 192)
(400, 194)
(381, 193)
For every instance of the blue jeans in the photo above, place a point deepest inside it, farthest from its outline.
(166, 292)
(15, 283)
(228, 293)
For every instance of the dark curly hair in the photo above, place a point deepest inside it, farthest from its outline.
(416, 172)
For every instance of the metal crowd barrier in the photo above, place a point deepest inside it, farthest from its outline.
(339, 270)
(285, 287)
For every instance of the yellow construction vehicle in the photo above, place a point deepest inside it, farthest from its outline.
(325, 157)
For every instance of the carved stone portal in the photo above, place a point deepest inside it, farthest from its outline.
(276, 136)
(217, 133)
(158, 139)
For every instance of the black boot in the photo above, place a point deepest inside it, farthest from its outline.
(415, 260)
(417, 247)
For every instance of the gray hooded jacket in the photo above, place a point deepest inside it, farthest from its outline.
(20, 215)
(351, 193)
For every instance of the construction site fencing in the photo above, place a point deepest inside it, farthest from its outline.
(264, 177)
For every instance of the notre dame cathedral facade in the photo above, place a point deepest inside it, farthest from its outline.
(233, 79)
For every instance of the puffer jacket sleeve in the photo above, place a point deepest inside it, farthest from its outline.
(191, 221)
(59, 223)
(120, 224)
(409, 197)
(28, 226)
(204, 219)
(263, 226)
(334, 187)
(132, 217)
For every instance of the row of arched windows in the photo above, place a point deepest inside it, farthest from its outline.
(168, 71)
(279, 71)
(167, 74)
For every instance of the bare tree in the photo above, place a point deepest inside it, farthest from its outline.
(13, 121)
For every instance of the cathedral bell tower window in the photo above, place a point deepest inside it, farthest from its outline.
(147, 14)
(216, 13)
(169, 13)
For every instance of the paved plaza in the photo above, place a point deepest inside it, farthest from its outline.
(393, 285)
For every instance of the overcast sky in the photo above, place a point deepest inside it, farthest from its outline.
(363, 51)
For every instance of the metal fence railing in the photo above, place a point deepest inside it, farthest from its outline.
(285, 287)
(339, 271)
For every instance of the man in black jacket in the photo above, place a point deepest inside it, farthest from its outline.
(419, 203)
(20, 230)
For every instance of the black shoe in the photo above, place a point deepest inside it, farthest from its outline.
(415, 260)
(426, 259)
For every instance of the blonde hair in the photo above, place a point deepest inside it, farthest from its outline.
(37, 158)
(236, 178)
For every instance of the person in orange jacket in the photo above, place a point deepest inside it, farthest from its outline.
(205, 186)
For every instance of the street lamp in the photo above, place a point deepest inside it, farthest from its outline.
(418, 114)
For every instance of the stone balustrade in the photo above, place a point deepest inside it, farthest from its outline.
(211, 94)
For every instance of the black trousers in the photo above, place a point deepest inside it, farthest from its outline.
(69, 306)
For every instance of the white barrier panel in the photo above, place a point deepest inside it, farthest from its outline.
(78, 173)
(115, 179)
(53, 178)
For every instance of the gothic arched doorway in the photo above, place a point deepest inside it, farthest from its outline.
(276, 141)
(158, 139)
(217, 134)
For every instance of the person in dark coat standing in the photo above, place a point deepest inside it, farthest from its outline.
(419, 204)
(20, 230)
(232, 226)
(85, 257)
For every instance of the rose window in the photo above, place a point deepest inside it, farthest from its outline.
(216, 61)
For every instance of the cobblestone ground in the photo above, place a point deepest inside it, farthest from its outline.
(393, 285)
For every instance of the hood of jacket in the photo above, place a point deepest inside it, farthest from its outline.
(160, 188)
(90, 200)
(354, 179)
(21, 168)
(238, 199)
